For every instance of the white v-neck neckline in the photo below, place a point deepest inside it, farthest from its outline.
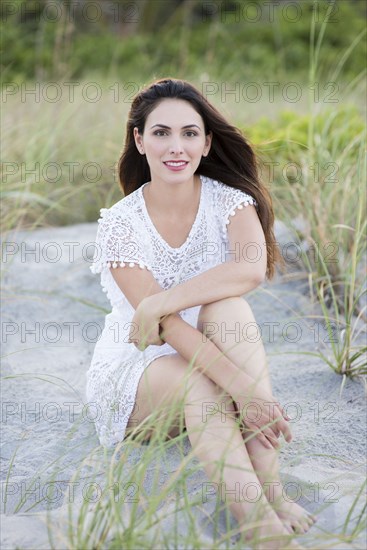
(193, 227)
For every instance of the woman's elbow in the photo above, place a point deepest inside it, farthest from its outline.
(259, 278)
(252, 280)
(249, 274)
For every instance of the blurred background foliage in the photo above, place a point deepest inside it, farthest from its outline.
(231, 50)
(290, 74)
(52, 40)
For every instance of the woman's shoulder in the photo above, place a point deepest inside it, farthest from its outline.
(223, 192)
(122, 209)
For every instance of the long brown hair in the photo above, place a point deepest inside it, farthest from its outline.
(231, 159)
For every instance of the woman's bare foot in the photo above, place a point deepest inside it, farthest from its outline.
(294, 518)
(269, 534)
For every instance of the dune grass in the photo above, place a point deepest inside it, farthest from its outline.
(327, 218)
(319, 176)
(130, 497)
(60, 158)
(333, 209)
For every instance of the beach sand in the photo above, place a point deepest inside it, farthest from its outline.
(53, 308)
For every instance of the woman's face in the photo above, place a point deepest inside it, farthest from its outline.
(173, 140)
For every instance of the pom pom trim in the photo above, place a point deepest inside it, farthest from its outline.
(99, 266)
(240, 206)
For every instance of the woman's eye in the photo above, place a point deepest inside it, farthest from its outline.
(163, 132)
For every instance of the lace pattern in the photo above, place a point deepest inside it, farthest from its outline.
(125, 238)
(111, 397)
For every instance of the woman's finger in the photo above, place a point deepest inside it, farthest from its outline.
(259, 434)
(279, 415)
(275, 429)
(261, 437)
(284, 414)
(269, 434)
(264, 440)
(285, 429)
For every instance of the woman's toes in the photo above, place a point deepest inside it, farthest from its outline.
(305, 525)
(309, 519)
(298, 527)
(288, 527)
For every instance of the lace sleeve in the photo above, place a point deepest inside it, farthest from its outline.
(116, 243)
(230, 199)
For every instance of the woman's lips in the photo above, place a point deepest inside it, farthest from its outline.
(176, 166)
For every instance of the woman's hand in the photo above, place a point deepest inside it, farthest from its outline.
(263, 412)
(145, 329)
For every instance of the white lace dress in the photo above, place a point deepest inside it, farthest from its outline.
(126, 236)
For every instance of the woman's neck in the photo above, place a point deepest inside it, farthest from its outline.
(177, 199)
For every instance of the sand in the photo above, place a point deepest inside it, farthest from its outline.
(53, 308)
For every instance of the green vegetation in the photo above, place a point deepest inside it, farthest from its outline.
(186, 39)
(61, 145)
(316, 146)
(125, 497)
(324, 186)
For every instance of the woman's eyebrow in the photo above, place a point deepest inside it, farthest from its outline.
(168, 128)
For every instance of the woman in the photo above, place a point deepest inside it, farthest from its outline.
(192, 235)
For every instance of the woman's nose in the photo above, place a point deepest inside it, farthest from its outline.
(175, 147)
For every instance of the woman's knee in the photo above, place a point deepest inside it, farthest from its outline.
(158, 391)
(218, 308)
(170, 381)
(203, 390)
(218, 305)
(206, 403)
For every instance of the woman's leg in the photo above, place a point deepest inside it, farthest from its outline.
(231, 326)
(218, 445)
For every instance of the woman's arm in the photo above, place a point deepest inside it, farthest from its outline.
(232, 278)
(196, 348)
(222, 281)
(204, 355)
(137, 285)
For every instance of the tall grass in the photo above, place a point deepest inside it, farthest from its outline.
(131, 497)
(319, 192)
(333, 211)
(328, 221)
(58, 157)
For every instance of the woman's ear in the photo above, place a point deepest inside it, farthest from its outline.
(138, 141)
(208, 143)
